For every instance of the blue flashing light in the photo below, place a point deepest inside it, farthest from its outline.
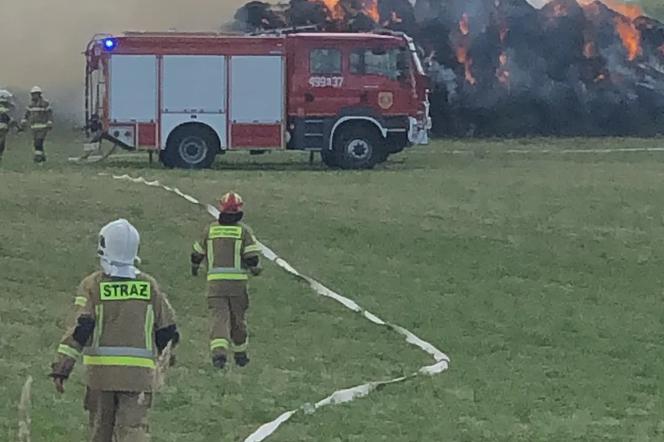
(109, 43)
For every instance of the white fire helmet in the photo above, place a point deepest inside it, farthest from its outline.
(5, 95)
(36, 90)
(118, 249)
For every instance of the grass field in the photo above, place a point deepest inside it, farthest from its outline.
(539, 274)
(654, 8)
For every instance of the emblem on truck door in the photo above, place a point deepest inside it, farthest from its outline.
(385, 100)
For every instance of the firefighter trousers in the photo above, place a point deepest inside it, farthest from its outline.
(117, 416)
(38, 138)
(228, 324)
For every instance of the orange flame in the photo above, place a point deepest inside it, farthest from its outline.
(631, 10)
(464, 24)
(469, 73)
(502, 73)
(631, 37)
(462, 57)
(462, 50)
(372, 10)
(337, 12)
(335, 9)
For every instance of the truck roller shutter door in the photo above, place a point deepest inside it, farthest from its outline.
(257, 102)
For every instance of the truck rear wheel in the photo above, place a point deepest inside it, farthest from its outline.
(358, 148)
(191, 146)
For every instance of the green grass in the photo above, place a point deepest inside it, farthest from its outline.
(539, 274)
(654, 7)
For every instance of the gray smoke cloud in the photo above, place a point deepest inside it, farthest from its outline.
(42, 40)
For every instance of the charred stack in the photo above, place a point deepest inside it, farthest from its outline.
(505, 68)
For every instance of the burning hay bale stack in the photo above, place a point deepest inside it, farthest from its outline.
(506, 68)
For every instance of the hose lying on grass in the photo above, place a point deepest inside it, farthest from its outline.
(440, 365)
(24, 422)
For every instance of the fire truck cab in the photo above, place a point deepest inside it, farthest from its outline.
(356, 98)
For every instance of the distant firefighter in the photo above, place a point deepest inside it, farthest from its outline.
(40, 118)
(6, 119)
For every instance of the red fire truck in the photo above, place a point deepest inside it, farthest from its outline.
(356, 98)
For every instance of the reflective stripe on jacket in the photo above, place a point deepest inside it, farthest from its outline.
(226, 247)
(120, 353)
(39, 114)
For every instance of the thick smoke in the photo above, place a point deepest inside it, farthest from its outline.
(561, 70)
(41, 40)
(508, 68)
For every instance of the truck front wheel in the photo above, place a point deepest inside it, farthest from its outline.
(358, 148)
(192, 146)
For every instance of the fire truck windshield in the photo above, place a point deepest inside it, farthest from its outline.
(377, 61)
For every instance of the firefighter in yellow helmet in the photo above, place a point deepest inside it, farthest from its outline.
(6, 120)
(121, 323)
(232, 254)
(39, 117)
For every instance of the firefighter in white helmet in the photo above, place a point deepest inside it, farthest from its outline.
(6, 119)
(122, 322)
(39, 117)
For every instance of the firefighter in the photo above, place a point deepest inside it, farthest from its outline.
(6, 120)
(40, 118)
(122, 322)
(231, 252)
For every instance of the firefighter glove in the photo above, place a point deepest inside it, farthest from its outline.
(165, 335)
(60, 372)
(196, 260)
(59, 384)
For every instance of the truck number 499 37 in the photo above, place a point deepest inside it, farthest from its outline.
(335, 82)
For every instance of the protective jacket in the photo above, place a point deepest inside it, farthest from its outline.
(39, 115)
(119, 327)
(6, 120)
(231, 252)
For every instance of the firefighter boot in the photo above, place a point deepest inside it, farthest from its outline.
(40, 156)
(219, 361)
(241, 359)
